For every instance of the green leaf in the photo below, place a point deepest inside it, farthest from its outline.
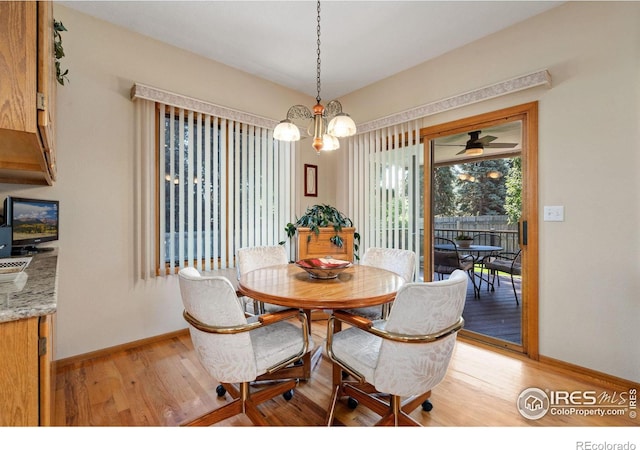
(59, 51)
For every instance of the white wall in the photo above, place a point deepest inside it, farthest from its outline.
(588, 161)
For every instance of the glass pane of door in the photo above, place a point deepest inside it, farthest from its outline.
(477, 185)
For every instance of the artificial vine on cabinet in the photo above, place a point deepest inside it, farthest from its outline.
(58, 27)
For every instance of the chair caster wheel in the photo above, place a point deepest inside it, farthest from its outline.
(352, 403)
(220, 390)
(288, 395)
(427, 406)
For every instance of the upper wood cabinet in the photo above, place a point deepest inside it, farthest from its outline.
(27, 93)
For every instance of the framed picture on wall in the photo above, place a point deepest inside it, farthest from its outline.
(310, 180)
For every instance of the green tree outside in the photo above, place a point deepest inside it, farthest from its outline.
(513, 200)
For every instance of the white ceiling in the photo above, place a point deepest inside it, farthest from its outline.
(361, 41)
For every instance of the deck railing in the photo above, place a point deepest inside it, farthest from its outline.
(508, 239)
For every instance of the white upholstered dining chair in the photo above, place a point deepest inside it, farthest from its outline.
(235, 349)
(401, 262)
(404, 356)
(253, 258)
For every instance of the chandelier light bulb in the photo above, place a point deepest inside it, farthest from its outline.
(330, 143)
(286, 131)
(342, 126)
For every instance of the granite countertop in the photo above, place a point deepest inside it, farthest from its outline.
(34, 292)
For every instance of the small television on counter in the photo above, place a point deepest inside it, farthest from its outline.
(32, 222)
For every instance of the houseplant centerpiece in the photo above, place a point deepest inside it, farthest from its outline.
(463, 240)
(324, 231)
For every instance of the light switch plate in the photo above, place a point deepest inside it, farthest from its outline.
(554, 213)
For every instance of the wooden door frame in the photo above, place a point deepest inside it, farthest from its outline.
(528, 114)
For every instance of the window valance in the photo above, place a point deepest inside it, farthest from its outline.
(193, 104)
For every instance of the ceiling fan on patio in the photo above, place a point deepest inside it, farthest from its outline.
(475, 145)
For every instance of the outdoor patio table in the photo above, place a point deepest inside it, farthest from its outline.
(475, 251)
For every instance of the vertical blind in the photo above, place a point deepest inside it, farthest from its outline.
(223, 185)
(385, 187)
(207, 186)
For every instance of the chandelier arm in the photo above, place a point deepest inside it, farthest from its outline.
(333, 108)
(297, 112)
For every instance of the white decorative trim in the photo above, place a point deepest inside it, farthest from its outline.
(169, 98)
(540, 78)
(534, 79)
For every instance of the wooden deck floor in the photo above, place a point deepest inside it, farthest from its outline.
(495, 313)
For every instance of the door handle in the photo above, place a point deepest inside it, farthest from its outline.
(524, 232)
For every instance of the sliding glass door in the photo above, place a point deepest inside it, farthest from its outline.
(479, 186)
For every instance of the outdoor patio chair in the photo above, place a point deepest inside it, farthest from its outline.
(445, 262)
(508, 262)
(492, 239)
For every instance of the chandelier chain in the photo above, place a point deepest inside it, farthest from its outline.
(318, 60)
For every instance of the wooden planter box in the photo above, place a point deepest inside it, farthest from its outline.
(320, 246)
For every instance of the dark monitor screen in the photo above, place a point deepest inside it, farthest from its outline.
(32, 221)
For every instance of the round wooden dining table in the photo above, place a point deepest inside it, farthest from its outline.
(291, 286)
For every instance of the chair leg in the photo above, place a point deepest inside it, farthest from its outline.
(489, 283)
(392, 413)
(334, 401)
(396, 417)
(514, 290)
(243, 402)
(412, 403)
(476, 290)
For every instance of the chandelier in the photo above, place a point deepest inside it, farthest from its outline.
(324, 137)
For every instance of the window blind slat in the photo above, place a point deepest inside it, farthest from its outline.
(198, 186)
(225, 218)
(172, 190)
(207, 189)
(163, 182)
(249, 184)
(266, 191)
(189, 186)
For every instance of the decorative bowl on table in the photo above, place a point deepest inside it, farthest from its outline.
(323, 268)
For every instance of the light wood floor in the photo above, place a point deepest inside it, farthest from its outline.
(163, 384)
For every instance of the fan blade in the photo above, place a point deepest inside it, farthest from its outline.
(486, 139)
(461, 152)
(501, 145)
